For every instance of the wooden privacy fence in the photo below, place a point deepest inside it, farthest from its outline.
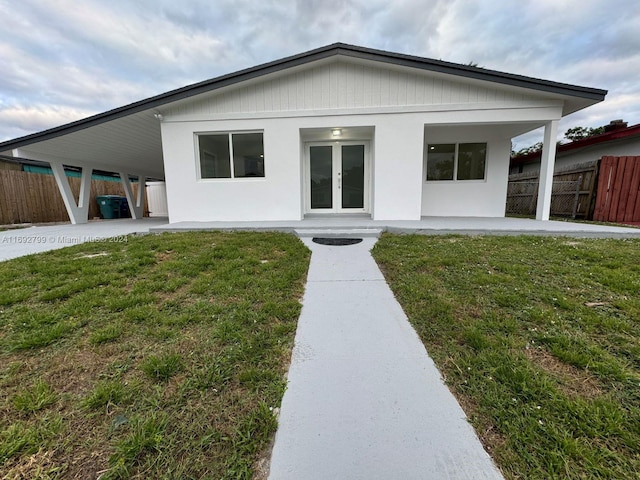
(35, 198)
(572, 194)
(618, 198)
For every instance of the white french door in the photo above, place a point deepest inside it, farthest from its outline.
(337, 177)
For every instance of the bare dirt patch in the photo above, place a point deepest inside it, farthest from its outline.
(75, 371)
(162, 256)
(39, 465)
(572, 243)
(94, 255)
(571, 380)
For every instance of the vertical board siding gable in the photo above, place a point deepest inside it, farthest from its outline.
(342, 85)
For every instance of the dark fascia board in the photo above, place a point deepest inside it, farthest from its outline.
(301, 59)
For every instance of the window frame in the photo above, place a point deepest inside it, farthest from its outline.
(456, 162)
(229, 134)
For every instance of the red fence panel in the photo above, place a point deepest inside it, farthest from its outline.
(618, 197)
(633, 199)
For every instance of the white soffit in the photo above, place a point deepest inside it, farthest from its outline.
(131, 143)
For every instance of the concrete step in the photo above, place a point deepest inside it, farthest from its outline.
(338, 232)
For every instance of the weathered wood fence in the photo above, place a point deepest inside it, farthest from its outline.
(572, 196)
(618, 198)
(35, 198)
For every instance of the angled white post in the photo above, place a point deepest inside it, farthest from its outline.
(85, 189)
(136, 205)
(78, 213)
(547, 164)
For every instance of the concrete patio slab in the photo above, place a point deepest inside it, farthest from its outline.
(364, 399)
(27, 241)
(424, 226)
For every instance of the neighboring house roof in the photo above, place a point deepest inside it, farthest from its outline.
(132, 134)
(602, 140)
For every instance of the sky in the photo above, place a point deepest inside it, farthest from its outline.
(63, 60)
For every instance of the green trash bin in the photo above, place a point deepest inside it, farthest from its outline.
(109, 206)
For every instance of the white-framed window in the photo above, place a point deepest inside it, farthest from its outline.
(230, 155)
(456, 161)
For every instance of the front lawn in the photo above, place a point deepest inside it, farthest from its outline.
(160, 357)
(539, 339)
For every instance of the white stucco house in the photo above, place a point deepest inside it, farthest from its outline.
(337, 130)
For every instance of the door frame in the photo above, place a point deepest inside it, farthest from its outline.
(337, 164)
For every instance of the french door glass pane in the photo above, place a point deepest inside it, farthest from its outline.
(321, 161)
(353, 176)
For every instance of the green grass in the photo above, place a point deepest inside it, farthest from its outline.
(107, 392)
(539, 338)
(160, 357)
(34, 399)
(162, 368)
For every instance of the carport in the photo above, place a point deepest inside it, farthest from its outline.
(126, 141)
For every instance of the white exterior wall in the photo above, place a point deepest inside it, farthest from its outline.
(398, 168)
(396, 104)
(396, 163)
(469, 198)
(274, 197)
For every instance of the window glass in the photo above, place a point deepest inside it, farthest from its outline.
(440, 161)
(471, 161)
(214, 156)
(215, 151)
(248, 155)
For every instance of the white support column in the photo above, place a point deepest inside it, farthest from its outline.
(547, 165)
(78, 213)
(85, 189)
(136, 205)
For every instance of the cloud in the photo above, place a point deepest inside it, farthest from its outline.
(23, 120)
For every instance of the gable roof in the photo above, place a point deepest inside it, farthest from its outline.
(591, 95)
(602, 139)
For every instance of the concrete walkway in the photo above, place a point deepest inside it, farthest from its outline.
(27, 241)
(364, 399)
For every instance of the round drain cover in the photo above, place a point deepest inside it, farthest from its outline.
(336, 242)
